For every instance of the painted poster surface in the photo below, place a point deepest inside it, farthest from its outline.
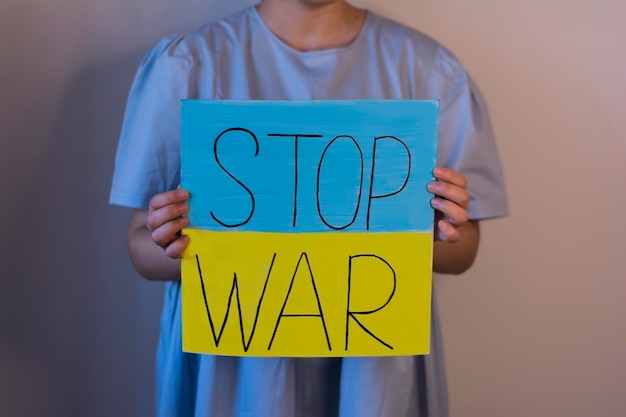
(310, 226)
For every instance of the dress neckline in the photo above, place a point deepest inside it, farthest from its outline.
(259, 20)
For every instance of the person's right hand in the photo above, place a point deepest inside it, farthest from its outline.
(166, 218)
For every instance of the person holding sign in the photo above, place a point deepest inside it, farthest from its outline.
(299, 50)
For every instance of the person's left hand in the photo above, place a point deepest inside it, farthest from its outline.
(450, 203)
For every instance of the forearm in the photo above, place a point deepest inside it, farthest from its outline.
(149, 259)
(456, 258)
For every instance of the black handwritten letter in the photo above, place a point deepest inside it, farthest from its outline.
(217, 159)
(406, 179)
(319, 304)
(352, 314)
(234, 289)
(317, 195)
(296, 136)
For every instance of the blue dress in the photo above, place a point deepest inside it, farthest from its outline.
(240, 58)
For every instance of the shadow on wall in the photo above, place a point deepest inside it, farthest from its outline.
(81, 327)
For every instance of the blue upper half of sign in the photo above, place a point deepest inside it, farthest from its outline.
(309, 166)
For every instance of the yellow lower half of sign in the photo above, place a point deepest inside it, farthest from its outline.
(307, 294)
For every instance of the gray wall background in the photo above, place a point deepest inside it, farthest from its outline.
(534, 329)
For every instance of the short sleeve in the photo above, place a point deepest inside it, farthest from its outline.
(466, 139)
(147, 160)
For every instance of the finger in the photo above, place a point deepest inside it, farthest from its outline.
(176, 249)
(159, 217)
(447, 232)
(455, 214)
(168, 232)
(168, 198)
(451, 176)
(450, 192)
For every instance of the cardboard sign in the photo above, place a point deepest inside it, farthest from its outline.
(310, 226)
